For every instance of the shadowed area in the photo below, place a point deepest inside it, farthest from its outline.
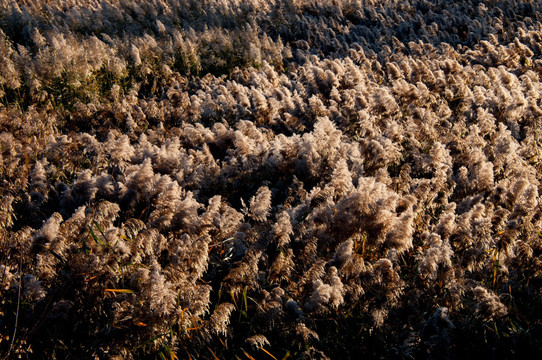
(270, 179)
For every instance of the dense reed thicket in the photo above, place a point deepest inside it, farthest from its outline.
(270, 179)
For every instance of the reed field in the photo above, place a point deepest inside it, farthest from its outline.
(270, 179)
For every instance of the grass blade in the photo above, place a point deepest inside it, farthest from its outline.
(122, 291)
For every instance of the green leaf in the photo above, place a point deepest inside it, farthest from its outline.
(245, 298)
(96, 238)
(122, 291)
